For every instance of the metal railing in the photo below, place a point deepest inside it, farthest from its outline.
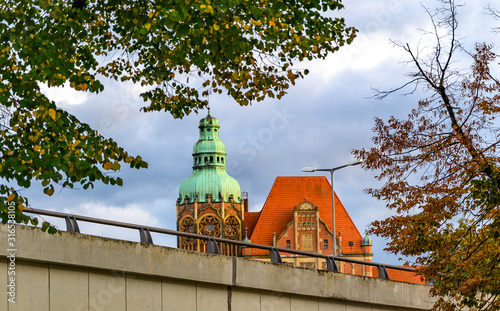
(212, 248)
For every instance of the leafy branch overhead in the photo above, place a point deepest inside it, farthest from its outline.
(180, 51)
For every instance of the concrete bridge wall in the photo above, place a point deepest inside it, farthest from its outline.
(71, 271)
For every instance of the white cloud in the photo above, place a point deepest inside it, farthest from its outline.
(64, 95)
(131, 213)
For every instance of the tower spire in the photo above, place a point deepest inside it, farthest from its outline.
(209, 168)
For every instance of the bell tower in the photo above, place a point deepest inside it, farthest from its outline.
(209, 200)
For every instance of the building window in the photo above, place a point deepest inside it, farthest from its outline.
(206, 160)
(218, 159)
(287, 243)
(211, 159)
(325, 246)
(222, 160)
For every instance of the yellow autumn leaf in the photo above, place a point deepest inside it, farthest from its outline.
(21, 207)
(107, 166)
(147, 26)
(116, 166)
(49, 191)
(11, 197)
(52, 114)
(37, 148)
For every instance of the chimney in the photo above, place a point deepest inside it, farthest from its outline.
(245, 201)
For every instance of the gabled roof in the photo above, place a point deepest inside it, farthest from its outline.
(288, 192)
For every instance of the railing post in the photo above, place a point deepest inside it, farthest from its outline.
(212, 247)
(71, 224)
(330, 264)
(382, 272)
(145, 236)
(275, 255)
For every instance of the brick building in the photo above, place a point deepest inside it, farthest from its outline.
(298, 215)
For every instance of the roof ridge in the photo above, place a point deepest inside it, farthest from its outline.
(348, 216)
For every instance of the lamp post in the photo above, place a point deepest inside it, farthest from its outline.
(331, 170)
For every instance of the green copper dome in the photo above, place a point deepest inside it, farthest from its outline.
(366, 241)
(209, 168)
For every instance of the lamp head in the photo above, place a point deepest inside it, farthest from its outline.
(308, 169)
(355, 163)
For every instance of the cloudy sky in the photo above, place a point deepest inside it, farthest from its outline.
(322, 119)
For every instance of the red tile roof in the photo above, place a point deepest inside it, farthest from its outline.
(288, 192)
(250, 222)
(401, 276)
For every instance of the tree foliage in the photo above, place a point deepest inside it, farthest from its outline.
(245, 48)
(440, 168)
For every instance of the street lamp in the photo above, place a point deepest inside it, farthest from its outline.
(331, 170)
